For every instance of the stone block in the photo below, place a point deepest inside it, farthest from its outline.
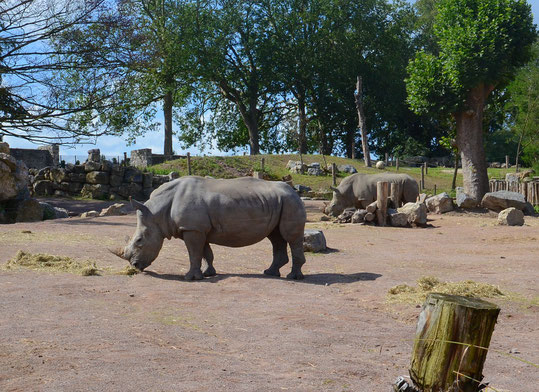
(314, 241)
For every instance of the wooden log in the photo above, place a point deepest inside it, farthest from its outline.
(395, 195)
(382, 193)
(334, 173)
(189, 164)
(372, 207)
(369, 216)
(387, 159)
(452, 338)
(435, 189)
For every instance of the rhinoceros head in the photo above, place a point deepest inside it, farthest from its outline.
(143, 248)
(337, 205)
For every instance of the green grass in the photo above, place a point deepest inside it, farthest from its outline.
(275, 167)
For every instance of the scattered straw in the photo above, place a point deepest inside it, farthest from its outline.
(427, 284)
(128, 270)
(43, 261)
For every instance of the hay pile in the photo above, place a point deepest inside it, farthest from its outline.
(52, 263)
(43, 261)
(403, 293)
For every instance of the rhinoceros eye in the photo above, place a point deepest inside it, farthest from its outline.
(138, 242)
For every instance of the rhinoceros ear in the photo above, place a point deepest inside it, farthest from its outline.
(137, 205)
(334, 189)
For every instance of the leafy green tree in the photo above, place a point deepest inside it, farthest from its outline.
(136, 57)
(481, 45)
(523, 107)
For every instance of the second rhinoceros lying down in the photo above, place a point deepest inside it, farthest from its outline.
(235, 213)
(359, 190)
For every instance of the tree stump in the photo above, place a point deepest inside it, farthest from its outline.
(382, 190)
(452, 338)
(395, 194)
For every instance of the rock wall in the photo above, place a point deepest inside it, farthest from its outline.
(35, 159)
(97, 179)
(143, 158)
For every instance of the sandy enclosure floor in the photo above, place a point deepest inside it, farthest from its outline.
(242, 331)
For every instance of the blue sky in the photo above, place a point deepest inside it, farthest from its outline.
(115, 146)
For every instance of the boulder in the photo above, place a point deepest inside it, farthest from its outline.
(91, 166)
(464, 200)
(398, 219)
(61, 213)
(495, 165)
(115, 209)
(8, 185)
(89, 214)
(315, 171)
(4, 148)
(416, 213)
(75, 187)
(359, 216)
(347, 169)
(147, 179)
(29, 210)
(528, 209)
(94, 155)
(9, 161)
(422, 198)
(77, 177)
(440, 203)
(380, 165)
(50, 212)
(116, 180)
(158, 180)
(106, 166)
(97, 177)
(302, 188)
(78, 169)
(314, 240)
(132, 189)
(43, 188)
(511, 217)
(500, 200)
(95, 191)
(57, 174)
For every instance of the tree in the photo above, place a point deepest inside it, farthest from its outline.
(29, 109)
(523, 107)
(481, 45)
(136, 57)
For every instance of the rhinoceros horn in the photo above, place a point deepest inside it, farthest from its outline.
(118, 252)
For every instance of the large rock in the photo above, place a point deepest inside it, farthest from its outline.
(116, 180)
(29, 211)
(51, 212)
(9, 161)
(4, 148)
(97, 177)
(147, 179)
(314, 171)
(359, 216)
(511, 217)
(347, 169)
(94, 155)
(464, 200)
(115, 209)
(314, 241)
(500, 200)
(92, 166)
(416, 213)
(302, 188)
(380, 165)
(8, 186)
(43, 188)
(346, 216)
(57, 174)
(440, 203)
(95, 191)
(77, 177)
(132, 174)
(398, 219)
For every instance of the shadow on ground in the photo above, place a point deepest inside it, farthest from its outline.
(324, 279)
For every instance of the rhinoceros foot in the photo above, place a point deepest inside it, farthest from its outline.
(272, 272)
(210, 271)
(296, 275)
(194, 275)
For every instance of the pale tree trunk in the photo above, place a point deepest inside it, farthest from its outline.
(362, 123)
(470, 143)
(454, 182)
(167, 112)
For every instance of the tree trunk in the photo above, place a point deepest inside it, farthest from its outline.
(452, 337)
(252, 126)
(470, 143)
(302, 135)
(362, 123)
(167, 112)
(454, 182)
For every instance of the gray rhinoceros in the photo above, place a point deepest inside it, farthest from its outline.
(359, 190)
(235, 213)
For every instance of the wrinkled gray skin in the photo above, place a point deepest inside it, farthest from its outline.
(359, 190)
(235, 213)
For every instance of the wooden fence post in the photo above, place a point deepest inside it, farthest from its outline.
(452, 338)
(426, 168)
(125, 158)
(507, 161)
(397, 163)
(434, 189)
(387, 159)
(422, 185)
(334, 173)
(188, 163)
(382, 190)
(395, 194)
(262, 161)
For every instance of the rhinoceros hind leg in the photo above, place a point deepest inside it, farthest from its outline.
(208, 269)
(194, 241)
(280, 256)
(298, 259)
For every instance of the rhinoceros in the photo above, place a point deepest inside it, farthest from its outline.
(203, 211)
(359, 190)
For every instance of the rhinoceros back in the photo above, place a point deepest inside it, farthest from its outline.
(235, 212)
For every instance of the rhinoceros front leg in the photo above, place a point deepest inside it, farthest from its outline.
(208, 261)
(280, 256)
(195, 242)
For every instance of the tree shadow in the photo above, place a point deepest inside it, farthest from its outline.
(323, 279)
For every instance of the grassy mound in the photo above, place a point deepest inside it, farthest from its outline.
(52, 263)
(403, 293)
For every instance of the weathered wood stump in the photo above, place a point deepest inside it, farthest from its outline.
(382, 193)
(452, 338)
(395, 194)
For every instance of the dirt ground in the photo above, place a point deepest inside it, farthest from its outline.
(242, 331)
